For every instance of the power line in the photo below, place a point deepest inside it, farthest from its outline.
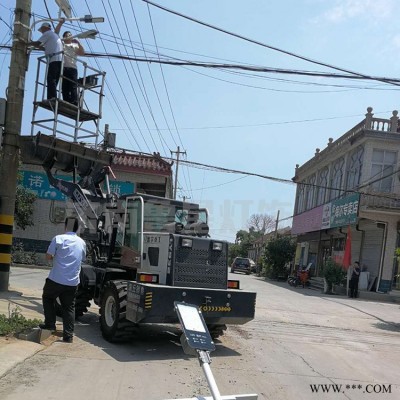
(122, 89)
(112, 95)
(144, 91)
(265, 45)
(169, 101)
(271, 123)
(152, 78)
(392, 81)
(127, 73)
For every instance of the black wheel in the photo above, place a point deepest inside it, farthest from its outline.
(113, 323)
(216, 330)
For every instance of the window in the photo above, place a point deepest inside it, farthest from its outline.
(300, 198)
(310, 192)
(337, 178)
(355, 166)
(383, 165)
(322, 186)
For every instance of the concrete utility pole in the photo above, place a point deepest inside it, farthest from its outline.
(178, 152)
(12, 130)
(277, 223)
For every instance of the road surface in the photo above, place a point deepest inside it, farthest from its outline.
(302, 345)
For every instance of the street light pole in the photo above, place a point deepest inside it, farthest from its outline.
(10, 152)
(178, 152)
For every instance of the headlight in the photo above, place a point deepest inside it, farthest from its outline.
(186, 242)
(217, 246)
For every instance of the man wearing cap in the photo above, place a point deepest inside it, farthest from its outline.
(53, 48)
(72, 49)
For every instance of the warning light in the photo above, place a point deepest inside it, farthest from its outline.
(233, 284)
(147, 278)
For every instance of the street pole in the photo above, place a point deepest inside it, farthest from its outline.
(178, 152)
(9, 160)
(276, 223)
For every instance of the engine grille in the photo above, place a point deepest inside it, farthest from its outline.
(199, 266)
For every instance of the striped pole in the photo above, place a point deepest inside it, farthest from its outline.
(6, 230)
(9, 156)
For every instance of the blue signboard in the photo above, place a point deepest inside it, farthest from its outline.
(38, 183)
(121, 188)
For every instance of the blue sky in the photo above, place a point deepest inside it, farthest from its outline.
(259, 123)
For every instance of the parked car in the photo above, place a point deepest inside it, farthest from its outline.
(241, 264)
(253, 266)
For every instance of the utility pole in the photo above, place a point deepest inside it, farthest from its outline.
(178, 152)
(276, 224)
(9, 160)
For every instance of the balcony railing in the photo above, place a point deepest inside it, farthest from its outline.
(388, 201)
(369, 123)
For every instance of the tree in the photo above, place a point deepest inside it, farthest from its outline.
(261, 223)
(278, 252)
(333, 274)
(244, 240)
(24, 206)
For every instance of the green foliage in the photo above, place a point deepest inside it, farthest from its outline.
(244, 241)
(24, 203)
(334, 274)
(278, 252)
(20, 256)
(16, 322)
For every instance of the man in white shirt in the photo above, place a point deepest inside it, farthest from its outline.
(72, 49)
(53, 48)
(67, 252)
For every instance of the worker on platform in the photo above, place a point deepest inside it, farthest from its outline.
(52, 45)
(72, 49)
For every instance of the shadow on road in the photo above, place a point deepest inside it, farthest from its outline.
(154, 342)
(388, 326)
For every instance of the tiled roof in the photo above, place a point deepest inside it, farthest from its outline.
(135, 162)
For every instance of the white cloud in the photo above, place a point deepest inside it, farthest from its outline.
(366, 9)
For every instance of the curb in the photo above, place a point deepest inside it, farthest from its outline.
(32, 266)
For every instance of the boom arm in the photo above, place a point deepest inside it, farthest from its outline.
(75, 193)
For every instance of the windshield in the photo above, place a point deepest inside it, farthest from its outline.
(160, 212)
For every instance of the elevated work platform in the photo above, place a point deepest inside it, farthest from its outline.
(67, 110)
(59, 118)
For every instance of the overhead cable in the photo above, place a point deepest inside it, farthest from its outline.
(264, 44)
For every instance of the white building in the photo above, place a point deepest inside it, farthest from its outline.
(353, 182)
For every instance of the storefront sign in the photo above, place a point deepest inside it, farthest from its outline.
(340, 212)
(307, 221)
(344, 211)
(326, 216)
(38, 183)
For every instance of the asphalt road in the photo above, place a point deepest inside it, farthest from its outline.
(299, 341)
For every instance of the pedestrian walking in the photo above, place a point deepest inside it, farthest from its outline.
(51, 43)
(353, 274)
(72, 49)
(67, 252)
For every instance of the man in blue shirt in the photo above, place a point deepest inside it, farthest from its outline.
(67, 252)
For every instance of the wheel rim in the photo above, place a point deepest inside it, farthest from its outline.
(110, 311)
